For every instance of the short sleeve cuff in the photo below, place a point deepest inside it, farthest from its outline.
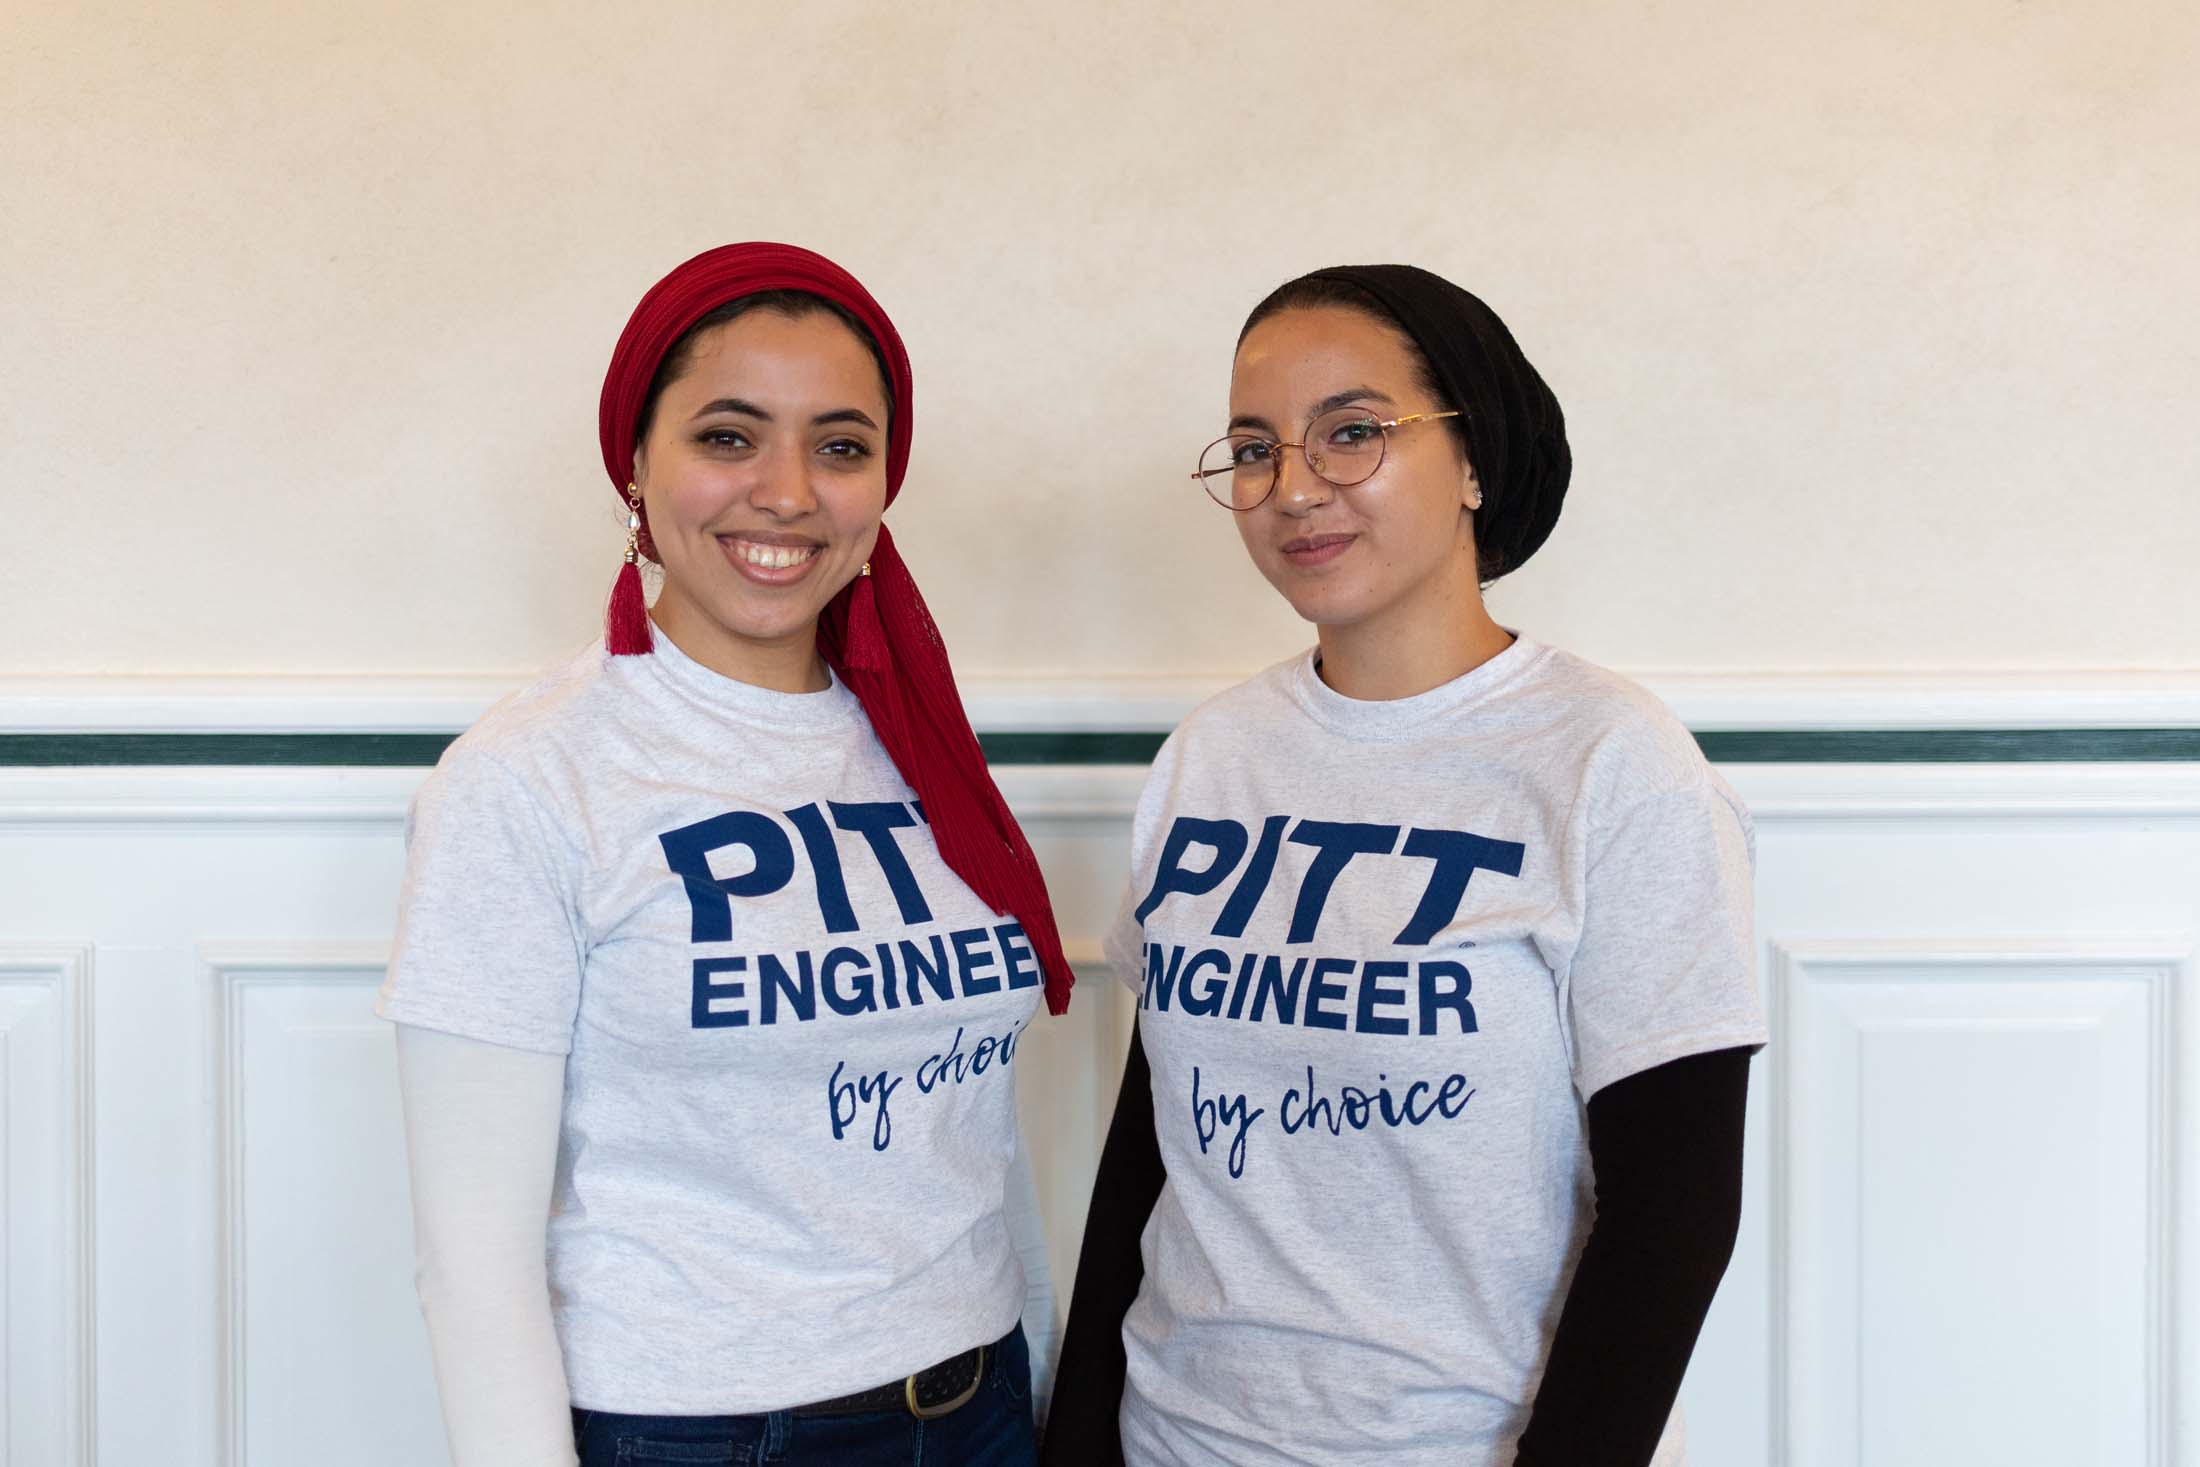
(471, 1023)
(1593, 1075)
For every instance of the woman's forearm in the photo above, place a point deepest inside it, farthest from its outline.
(1082, 1426)
(1666, 1145)
(481, 1130)
(1027, 1230)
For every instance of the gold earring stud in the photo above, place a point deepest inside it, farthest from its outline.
(866, 569)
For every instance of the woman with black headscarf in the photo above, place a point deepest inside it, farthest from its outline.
(1429, 1145)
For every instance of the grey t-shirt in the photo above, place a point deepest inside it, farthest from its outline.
(1385, 951)
(790, 1104)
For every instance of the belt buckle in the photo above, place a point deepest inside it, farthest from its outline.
(927, 1413)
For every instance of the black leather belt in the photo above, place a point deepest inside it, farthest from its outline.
(933, 1391)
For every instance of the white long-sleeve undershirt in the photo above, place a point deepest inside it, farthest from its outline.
(481, 1128)
(481, 1132)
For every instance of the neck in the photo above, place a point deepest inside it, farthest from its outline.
(788, 664)
(1417, 645)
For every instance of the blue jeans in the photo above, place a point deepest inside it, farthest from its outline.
(992, 1429)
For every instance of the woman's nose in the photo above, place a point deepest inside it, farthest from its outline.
(1298, 488)
(782, 486)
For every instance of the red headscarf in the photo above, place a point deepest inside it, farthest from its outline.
(876, 633)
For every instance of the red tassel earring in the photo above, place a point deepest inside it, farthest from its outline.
(626, 622)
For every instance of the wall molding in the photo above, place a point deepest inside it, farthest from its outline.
(1099, 747)
(1063, 796)
(231, 967)
(2168, 965)
(158, 798)
(1706, 702)
(2053, 791)
(64, 969)
(1080, 798)
(1738, 718)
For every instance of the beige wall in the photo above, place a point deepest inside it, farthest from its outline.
(1878, 334)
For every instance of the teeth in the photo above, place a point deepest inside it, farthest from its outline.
(774, 557)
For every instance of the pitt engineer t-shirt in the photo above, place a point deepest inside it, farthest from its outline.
(791, 1030)
(1384, 952)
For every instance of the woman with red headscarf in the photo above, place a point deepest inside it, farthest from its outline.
(715, 949)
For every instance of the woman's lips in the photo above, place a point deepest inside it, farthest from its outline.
(770, 562)
(1312, 550)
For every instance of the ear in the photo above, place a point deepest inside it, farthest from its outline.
(640, 475)
(1470, 490)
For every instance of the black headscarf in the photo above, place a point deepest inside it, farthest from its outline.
(1515, 432)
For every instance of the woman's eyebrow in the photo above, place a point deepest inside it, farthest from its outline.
(1351, 395)
(1330, 403)
(732, 405)
(749, 409)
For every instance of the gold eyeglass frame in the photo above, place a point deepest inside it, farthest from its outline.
(1275, 471)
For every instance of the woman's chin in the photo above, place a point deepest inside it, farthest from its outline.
(1325, 606)
(741, 619)
(774, 628)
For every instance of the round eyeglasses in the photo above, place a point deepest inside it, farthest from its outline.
(1345, 447)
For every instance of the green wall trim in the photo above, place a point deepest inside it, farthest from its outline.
(347, 750)
(1797, 746)
(1954, 746)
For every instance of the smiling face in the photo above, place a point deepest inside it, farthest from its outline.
(1394, 553)
(763, 475)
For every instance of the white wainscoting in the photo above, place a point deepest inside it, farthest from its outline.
(313, 1223)
(1943, 1112)
(1974, 1153)
(46, 1321)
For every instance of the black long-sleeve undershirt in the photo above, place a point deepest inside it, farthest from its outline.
(1081, 1424)
(1666, 1148)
